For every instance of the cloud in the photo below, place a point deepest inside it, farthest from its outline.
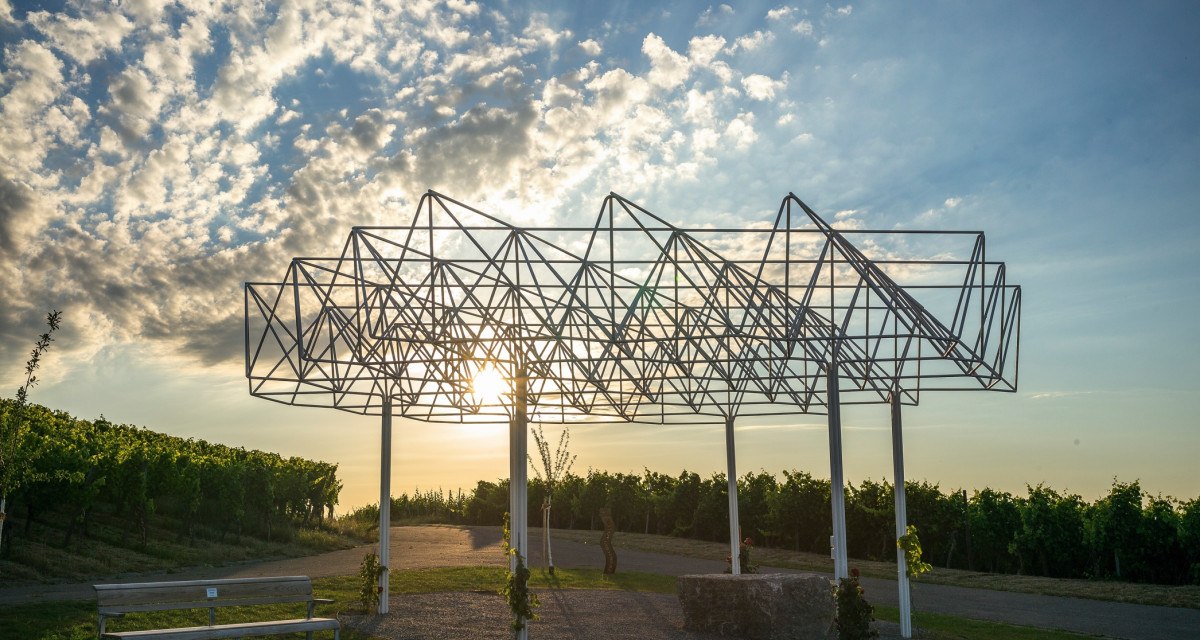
(245, 82)
(845, 215)
(542, 33)
(1056, 395)
(286, 116)
(753, 41)
(15, 204)
(711, 16)
(220, 145)
(87, 37)
(36, 76)
(146, 11)
(371, 131)
(787, 15)
(614, 94)
(483, 147)
(171, 59)
(780, 13)
(668, 69)
(934, 214)
(133, 107)
(760, 87)
(703, 50)
(740, 131)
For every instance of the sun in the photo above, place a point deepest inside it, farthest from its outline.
(489, 385)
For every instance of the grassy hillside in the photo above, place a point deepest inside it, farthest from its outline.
(107, 549)
(92, 498)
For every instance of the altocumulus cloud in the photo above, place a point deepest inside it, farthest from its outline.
(158, 155)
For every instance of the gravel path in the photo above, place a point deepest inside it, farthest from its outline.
(564, 615)
(585, 614)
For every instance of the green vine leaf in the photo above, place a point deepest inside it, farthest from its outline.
(911, 545)
(521, 601)
(369, 573)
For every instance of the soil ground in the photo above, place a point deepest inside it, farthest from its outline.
(589, 614)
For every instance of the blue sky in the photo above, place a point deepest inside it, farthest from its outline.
(155, 157)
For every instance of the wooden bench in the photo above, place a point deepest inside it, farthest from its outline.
(116, 600)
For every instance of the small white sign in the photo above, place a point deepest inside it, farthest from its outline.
(212, 592)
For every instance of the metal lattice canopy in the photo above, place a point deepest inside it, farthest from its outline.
(631, 319)
(634, 320)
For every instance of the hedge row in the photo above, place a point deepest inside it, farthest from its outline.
(1127, 534)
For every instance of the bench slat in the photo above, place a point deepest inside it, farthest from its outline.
(229, 630)
(200, 604)
(229, 592)
(117, 586)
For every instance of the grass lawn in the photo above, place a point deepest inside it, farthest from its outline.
(935, 626)
(76, 620)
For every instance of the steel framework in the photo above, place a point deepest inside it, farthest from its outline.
(633, 319)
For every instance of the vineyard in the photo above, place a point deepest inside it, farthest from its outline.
(131, 488)
(1127, 535)
(89, 480)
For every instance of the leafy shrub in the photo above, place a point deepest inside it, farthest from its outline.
(1050, 540)
(369, 590)
(995, 519)
(854, 613)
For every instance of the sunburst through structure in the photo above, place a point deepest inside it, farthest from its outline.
(462, 317)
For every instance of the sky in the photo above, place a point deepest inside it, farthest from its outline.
(156, 155)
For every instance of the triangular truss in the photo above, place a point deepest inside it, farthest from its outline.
(631, 319)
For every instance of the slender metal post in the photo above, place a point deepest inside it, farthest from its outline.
(901, 519)
(735, 529)
(837, 492)
(512, 490)
(3, 517)
(385, 503)
(518, 483)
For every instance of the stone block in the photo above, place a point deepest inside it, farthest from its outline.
(774, 606)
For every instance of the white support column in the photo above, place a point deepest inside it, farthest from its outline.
(518, 483)
(512, 489)
(385, 503)
(837, 492)
(735, 528)
(901, 518)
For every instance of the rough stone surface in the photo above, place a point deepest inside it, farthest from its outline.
(761, 607)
